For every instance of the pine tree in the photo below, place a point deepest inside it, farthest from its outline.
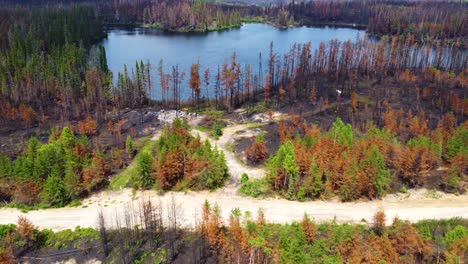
(67, 137)
(292, 172)
(309, 228)
(71, 179)
(376, 160)
(129, 145)
(341, 132)
(144, 161)
(194, 82)
(55, 192)
(458, 142)
(317, 184)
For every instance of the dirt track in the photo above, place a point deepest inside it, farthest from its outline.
(414, 206)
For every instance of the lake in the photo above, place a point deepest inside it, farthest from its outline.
(126, 46)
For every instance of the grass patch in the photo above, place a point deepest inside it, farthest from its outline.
(229, 146)
(154, 26)
(214, 114)
(26, 208)
(433, 194)
(75, 203)
(66, 238)
(202, 129)
(221, 28)
(253, 125)
(122, 179)
(141, 142)
(260, 107)
(254, 187)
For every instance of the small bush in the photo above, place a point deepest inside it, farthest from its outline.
(75, 203)
(216, 130)
(459, 232)
(254, 188)
(257, 151)
(244, 178)
(5, 229)
(257, 108)
(451, 181)
(403, 189)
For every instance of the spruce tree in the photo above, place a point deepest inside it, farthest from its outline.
(55, 193)
(67, 137)
(144, 161)
(376, 160)
(129, 145)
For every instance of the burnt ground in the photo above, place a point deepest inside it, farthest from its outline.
(137, 123)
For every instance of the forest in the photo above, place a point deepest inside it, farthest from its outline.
(369, 164)
(49, 64)
(154, 235)
(49, 56)
(63, 75)
(434, 22)
(349, 121)
(69, 167)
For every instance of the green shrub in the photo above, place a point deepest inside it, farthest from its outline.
(459, 232)
(458, 143)
(5, 229)
(435, 230)
(255, 187)
(216, 129)
(244, 178)
(341, 132)
(75, 203)
(451, 180)
(260, 107)
(215, 176)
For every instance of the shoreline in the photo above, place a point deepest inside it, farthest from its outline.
(237, 26)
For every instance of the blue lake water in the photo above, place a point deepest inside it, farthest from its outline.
(126, 46)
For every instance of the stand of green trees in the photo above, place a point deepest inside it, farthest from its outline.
(53, 174)
(180, 161)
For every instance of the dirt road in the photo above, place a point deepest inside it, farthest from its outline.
(413, 206)
(236, 168)
(419, 205)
